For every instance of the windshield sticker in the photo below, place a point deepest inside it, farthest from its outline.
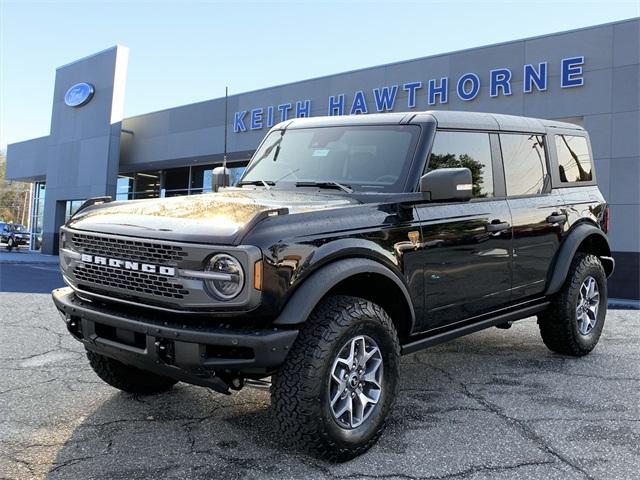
(320, 152)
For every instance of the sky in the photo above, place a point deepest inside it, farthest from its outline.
(188, 51)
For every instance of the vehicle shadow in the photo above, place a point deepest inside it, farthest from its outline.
(451, 409)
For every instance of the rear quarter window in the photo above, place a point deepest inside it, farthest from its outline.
(574, 161)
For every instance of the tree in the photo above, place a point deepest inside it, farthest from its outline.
(450, 160)
(14, 197)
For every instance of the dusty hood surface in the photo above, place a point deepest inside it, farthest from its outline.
(212, 217)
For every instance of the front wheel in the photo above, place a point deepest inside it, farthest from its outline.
(10, 244)
(573, 323)
(339, 383)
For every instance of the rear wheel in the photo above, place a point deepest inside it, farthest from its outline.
(128, 378)
(573, 323)
(339, 383)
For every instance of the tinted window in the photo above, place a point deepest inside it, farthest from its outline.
(465, 149)
(365, 157)
(525, 163)
(574, 162)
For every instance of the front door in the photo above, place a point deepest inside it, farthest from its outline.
(465, 248)
(466, 257)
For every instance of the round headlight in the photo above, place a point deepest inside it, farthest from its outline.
(231, 278)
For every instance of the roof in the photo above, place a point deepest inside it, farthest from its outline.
(444, 119)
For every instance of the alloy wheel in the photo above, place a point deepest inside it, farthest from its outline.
(355, 385)
(588, 303)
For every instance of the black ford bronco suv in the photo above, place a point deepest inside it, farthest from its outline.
(348, 242)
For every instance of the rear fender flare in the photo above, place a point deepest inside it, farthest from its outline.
(567, 251)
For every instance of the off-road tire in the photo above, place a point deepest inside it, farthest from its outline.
(559, 325)
(128, 378)
(299, 391)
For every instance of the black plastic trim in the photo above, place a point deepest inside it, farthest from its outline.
(568, 250)
(305, 298)
(431, 340)
(270, 345)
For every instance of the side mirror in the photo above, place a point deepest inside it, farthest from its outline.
(220, 178)
(447, 184)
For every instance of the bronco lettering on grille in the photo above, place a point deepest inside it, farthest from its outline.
(128, 265)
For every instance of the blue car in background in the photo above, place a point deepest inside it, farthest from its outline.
(14, 235)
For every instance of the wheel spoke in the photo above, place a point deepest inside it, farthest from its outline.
(346, 407)
(342, 386)
(371, 353)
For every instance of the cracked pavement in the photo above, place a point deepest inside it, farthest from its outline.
(496, 404)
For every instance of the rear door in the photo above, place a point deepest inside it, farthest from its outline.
(538, 214)
(465, 252)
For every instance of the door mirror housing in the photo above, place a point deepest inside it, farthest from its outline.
(447, 184)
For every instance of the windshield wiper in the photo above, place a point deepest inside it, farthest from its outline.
(327, 184)
(264, 183)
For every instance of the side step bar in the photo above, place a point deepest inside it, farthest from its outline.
(471, 328)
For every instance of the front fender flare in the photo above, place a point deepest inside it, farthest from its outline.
(567, 251)
(316, 286)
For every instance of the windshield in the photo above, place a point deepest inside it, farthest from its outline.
(17, 228)
(366, 158)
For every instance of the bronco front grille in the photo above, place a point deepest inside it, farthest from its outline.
(128, 249)
(139, 282)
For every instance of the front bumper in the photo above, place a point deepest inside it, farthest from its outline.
(194, 354)
(20, 241)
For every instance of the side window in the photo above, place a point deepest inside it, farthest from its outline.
(525, 163)
(465, 149)
(574, 162)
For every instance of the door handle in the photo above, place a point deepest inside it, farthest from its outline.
(497, 226)
(556, 217)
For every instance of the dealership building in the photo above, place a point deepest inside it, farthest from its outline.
(588, 76)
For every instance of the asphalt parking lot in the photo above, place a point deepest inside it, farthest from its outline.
(495, 404)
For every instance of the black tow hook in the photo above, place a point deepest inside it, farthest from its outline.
(74, 326)
(165, 350)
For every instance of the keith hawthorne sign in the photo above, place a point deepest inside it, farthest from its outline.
(535, 78)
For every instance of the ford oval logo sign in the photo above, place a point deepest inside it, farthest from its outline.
(79, 94)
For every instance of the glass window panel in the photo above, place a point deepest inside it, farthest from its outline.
(72, 207)
(235, 173)
(124, 187)
(176, 179)
(201, 177)
(147, 184)
(368, 158)
(574, 161)
(37, 215)
(525, 163)
(465, 149)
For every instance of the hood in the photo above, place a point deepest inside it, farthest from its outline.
(222, 217)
